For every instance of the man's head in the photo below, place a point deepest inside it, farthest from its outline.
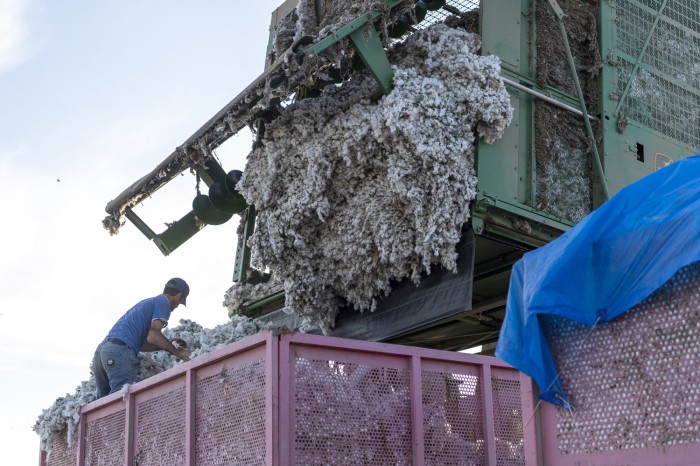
(175, 286)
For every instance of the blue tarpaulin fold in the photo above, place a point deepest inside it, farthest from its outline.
(609, 262)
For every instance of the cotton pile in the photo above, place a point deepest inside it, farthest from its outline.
(352, 194)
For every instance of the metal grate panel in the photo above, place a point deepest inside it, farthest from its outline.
(633, 381)
(453, 419)
(508, 420)
(161, 430)
(104, 442)
(662, 93)
(350, 414)
(62, 454)
(230, 416)
(438, 16)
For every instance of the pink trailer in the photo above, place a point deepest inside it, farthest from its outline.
(310, 400)
(298, 399)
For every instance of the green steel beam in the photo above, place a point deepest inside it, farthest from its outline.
(354, 25)
(173, 237)
(140, 224)
(259, 307)
(372, 53)
(185, 228)
(177, 233)
(365, 38)
(526, 228)
(242, 265)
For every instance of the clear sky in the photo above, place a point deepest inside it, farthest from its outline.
(93, 95)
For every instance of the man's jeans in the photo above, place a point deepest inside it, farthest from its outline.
(114, 366)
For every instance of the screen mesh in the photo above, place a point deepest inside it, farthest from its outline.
(453, 418)
(350, 414)
(662, 91)
(62, 454)
(230, 416)
(104, 440)
(633, 381)
(161, 429)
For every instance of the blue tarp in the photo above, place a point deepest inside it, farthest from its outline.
(603, 266)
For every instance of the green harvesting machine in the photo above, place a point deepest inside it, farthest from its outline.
(603, 92)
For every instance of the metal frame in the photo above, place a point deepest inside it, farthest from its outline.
(280, 353)
(365, 39)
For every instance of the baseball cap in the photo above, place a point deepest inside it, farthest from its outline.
(178, 284)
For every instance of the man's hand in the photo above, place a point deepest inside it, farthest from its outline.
(179, 343)
(157, 339)
(183, 354)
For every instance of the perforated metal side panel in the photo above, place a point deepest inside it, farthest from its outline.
(230, 416)
(633, 381)
(663, 94)
(508, 422)
(453, 419)
(61, 454)
(161, 430)
(351, 414)
(105, 440)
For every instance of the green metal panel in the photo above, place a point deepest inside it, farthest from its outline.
(650, 80)
(501, 31)
(502, 167)
(505, 205)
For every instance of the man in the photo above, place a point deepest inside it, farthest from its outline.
(115, 362)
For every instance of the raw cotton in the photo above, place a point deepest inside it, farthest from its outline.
(59, 421)
(352, 194)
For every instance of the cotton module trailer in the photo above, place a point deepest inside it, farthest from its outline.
(301, 399)
(603, 93)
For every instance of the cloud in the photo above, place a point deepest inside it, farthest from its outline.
(14, 34)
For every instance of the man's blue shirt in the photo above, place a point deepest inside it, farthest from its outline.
(132, 328)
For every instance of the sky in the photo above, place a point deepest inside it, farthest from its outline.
(93, 95)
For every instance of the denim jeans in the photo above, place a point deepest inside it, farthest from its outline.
(113, 366)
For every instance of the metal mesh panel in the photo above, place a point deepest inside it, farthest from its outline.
(439, 15)
(104, 440)
(230, 416)
(664, 92)
(351, 414)
(633, 381)
(508, 422)
(453, 419)
(161, 430)
(62, 454)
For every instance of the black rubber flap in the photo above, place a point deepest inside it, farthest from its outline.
(408, 308)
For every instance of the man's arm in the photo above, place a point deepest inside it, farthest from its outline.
(157, 341)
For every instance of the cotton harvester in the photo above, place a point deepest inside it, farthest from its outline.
(603, 93)
(372, 123)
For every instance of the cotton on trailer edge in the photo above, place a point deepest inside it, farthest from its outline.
(358, 196)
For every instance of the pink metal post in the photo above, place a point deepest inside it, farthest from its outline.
(417, 411)
(489, 430)
(190, 437)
